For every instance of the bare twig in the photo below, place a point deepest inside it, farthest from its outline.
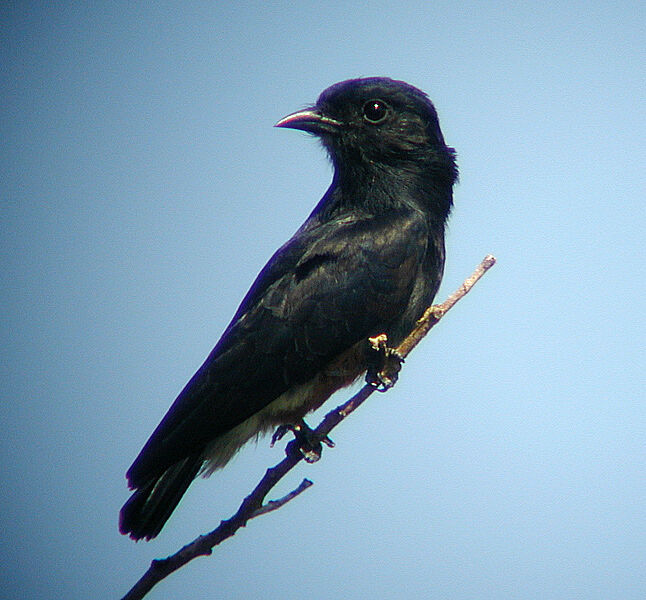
(434, 313)
(276, 504)
(252, 506)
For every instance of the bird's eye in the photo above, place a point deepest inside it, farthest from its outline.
(375, 111)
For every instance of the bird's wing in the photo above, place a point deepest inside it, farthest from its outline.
(329, 287)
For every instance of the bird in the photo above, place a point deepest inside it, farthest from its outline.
(366, 262)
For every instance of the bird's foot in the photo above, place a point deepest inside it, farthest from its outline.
(306, 441)
(384, 363)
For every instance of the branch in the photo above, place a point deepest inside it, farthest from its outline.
(252, 506)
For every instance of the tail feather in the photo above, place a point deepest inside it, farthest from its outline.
(150, 506)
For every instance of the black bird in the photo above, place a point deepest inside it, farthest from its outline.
(368, 260)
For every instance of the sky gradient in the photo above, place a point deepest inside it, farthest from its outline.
(142, 188)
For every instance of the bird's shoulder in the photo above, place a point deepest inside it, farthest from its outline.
(340, 257)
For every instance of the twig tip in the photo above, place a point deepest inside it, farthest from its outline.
(489, 261)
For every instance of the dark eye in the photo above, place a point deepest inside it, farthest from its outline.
(375, 111)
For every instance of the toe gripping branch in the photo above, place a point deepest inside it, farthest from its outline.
(384, 363)
(306, 442)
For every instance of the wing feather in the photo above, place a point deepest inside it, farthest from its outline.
(326, 289)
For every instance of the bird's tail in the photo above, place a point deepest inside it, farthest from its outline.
(150, 506)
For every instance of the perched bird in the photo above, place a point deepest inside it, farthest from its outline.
(367, 261)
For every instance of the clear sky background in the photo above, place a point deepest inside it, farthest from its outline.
(142, 187)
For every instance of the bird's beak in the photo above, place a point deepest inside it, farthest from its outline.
(310, 120)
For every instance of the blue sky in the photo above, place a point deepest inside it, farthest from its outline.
(142, 187)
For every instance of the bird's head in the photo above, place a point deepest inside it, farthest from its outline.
(377, 122)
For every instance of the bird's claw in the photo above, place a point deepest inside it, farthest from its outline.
(279, 434)
(306, 441)
(384, 363)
